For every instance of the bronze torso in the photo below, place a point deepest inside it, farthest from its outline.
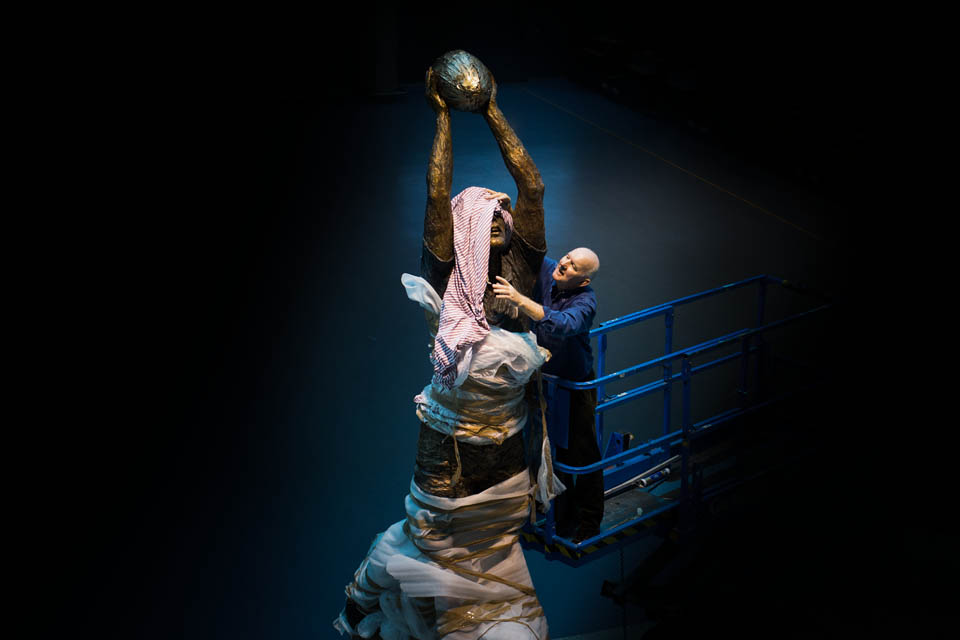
(439, 455)
(519, 264)
(482, 466)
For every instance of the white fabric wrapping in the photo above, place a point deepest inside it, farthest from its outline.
(425, 296)
(454, 568)
(500, 364)
(548, 484)
(409, 592)
(503, 362)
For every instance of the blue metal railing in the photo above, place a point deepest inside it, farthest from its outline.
(621, 466)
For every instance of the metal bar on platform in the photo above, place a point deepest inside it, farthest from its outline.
(636, 479)
(667, 370)
(615, 530)
(601, 390)
(622, 457)
(675, 438)
(656, 385)
(691, 351)
(638, 316)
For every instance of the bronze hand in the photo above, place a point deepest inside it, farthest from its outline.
(492, 104)
(436, 103)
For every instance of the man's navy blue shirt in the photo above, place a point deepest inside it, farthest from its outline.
(565, 326)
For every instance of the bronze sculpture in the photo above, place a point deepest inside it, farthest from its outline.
(454, 564)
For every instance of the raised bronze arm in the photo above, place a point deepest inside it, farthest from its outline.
(528, 211)
(438, 219)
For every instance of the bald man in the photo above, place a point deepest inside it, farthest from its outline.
(562, 310)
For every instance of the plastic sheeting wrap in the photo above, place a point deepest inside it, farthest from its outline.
(488, 405)
(454, 568)
(487, 402)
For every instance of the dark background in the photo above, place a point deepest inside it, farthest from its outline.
(183, 140)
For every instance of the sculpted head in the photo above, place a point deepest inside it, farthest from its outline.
(500, 231)
(576, 269)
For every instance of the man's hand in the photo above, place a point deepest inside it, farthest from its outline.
(517, 300)
(505, 291)
(433, 95)
(497, 195)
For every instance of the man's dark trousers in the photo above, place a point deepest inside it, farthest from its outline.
(582, 502)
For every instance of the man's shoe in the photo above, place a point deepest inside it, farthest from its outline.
(585, 531)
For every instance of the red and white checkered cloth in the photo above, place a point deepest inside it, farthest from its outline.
(462, 320)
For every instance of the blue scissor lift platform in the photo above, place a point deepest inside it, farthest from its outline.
(666, 485)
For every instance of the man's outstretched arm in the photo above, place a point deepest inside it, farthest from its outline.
(578, 318)
(438, 220)
(528, 211)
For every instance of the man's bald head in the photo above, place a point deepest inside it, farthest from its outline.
(576, 269)
(589, 259)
